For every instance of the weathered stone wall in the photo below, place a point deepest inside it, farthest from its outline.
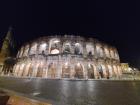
(67, 57)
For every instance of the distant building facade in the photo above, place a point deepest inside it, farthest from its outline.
(74, 57)
(125, 67)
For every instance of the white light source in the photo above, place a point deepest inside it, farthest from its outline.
(43, 45)
(78, 64)
(56, 41)
(22, 66)
(55, 51)
(77, 44)
(89, 65)
(66, 64)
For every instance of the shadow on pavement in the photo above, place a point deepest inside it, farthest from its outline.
(3, 98)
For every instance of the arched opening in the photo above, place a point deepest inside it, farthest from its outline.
(26, 70)
(90, 49)
(78, 71)
(67, 48)
(40, 70)
(54, 46)
(42, 48)
(115, 70)
(26, 50)
(99, 50)
(78, 48)
(21, 70)
(66, 70)
(107, 52)
(112, 53)
(16, 69)
(100, 71)
(110, 70)
(116, 55)
(30, 71)
(33, 49)
(51, 70)
(90, 70)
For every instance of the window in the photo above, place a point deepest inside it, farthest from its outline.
(42, 48)
(99, 51)
(66, 48)
(112, 53)
(26, 50)
(33, 49)
(107, 52)
(54, 46)
(78, 49)
(90, 49)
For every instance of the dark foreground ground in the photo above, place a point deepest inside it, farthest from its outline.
(68, 92)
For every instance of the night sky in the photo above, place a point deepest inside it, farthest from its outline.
(116, 22)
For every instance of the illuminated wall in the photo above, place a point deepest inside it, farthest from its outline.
(67, 57)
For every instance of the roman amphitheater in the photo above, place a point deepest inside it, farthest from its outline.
(68, 56)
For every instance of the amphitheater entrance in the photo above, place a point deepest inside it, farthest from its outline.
(66, 71)
(30, 71)
(39, 71)
(26, 70)
(110, 70)
(78, 71)
(51, 71)
(100, 71)
(90, 69)
(21, 69)
(16, 69)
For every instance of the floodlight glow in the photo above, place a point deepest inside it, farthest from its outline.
(56, 41)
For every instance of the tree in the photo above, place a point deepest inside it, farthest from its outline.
(8, 65)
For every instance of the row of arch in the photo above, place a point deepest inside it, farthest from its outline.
(55, 46)
(79, 70)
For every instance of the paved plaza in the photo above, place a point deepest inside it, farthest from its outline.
(81, 92)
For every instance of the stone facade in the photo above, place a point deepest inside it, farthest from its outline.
(67, 56)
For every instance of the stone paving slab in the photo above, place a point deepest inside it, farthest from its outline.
(19, 100)
(11, 98)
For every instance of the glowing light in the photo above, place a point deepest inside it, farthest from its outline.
(78, 64)
(89, 65)
(56, 41)
(77, 44)
(43, 45)
(66, 64)
(89, 48)
(36, 93)
(67, 44)
(22, 66)
(55, 51)
(129, 69)
(50, 52)
(33, 49)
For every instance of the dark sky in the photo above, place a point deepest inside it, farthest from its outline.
(116, 22)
